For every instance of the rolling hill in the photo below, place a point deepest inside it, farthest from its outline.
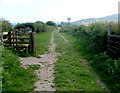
(113, 18)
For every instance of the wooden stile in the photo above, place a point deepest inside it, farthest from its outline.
(27, 40)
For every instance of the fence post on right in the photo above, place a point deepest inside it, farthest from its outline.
(109, 29)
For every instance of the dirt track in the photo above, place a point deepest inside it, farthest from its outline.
(46, 72)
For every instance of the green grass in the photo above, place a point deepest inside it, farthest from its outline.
(70, 73)
(1, 68)
(16, 78)
(34, 67)
(42, 42)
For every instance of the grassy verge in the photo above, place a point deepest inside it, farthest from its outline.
(42, 42)
(70, 73)
(1, 68)
(16, 78)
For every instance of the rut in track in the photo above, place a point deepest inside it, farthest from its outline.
(84, 61)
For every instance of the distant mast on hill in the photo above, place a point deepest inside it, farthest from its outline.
(68, 21)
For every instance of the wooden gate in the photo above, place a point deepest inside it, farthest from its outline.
(22, 41)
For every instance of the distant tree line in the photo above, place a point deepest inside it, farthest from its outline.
(37, 26)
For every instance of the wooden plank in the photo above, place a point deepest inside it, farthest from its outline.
(115, 36)
(17, 42)
(113, 51)
(23, 46)
(113, 41)
(20, 33)
(26, 45)
(115, 48)
(20, 38)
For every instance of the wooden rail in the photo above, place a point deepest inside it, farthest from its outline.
(16, 39)
(0, 40)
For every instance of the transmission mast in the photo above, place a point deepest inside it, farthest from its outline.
(68, 21)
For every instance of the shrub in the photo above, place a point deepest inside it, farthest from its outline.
(108, 69)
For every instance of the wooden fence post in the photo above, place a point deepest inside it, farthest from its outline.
(108, 37)
(109, 29)
(32, 43)
(1, 39)
(9, 38)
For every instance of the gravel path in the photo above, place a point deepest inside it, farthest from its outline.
(46, 72)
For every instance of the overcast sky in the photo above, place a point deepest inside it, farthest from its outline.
(56, 10)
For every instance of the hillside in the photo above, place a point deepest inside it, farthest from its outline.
(88, 21)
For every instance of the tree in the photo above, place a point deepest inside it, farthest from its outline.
(51, 23)
(5, 25)
(40, 27)
(25, 25)
(39, 22)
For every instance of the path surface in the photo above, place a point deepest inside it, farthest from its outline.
(46, 72)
